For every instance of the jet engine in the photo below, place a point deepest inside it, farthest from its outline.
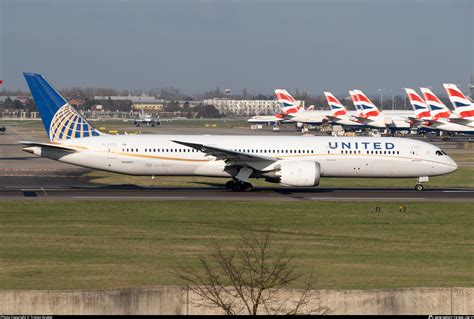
(297, 173)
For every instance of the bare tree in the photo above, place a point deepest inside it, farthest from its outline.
(249, 278)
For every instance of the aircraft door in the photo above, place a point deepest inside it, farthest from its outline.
(112, 150)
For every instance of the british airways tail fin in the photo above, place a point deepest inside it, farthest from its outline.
(437, 107)
(462, 105)
(61, 121)
(288, 103)
(418, 105)
(366, 106)
(336, 107)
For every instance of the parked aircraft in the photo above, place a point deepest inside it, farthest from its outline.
(371, 116)
(146, 119)
(339, 114)
(463, 107)
(368, 113)
(288, 160)
(296, 113)
(441, 115)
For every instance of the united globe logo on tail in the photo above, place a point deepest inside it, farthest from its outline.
(61, 121)
(67, 123)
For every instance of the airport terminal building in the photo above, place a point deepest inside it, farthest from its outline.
(245, 107)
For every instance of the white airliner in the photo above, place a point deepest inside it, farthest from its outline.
(296, 113)
(339, 114)
(288, 160)
(442, 117)
(463, 107)
(370, 115)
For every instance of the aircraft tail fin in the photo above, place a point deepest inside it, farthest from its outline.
(366, 106)
(288, 103)
(336, 107)
(419, 106)
(462, 105)
(438, 109)
(61, 120)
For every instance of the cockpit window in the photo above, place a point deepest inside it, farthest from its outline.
(440, 153)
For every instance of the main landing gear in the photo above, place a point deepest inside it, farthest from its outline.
(239, 183)
(239, 186)
(419, 180)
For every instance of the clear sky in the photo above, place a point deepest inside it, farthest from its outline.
(260, 45)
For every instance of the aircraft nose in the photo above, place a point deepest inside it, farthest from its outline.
(452, 164)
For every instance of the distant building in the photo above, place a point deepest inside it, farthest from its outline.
(246, 107)
(76, 102)
(131, 98)
(147, 106)
(97, 108)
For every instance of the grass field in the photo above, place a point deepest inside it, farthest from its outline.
(66, 245)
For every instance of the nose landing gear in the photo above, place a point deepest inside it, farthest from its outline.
(419, 187)
(419, 180)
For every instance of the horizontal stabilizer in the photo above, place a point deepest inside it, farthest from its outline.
(52, 145)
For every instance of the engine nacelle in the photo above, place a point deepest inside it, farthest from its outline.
(299, 173)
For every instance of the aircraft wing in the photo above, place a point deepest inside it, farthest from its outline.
(52, 145)
(332, 118)
(460, 121)
(363, 119)
(228, 155)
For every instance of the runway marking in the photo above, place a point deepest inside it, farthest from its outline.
(368, 198)
(129, 197)
(458, 191)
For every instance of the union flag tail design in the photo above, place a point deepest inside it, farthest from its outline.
(462, 105)
(288, 103)
(438, 108)
(355, 101)
(367, 107)
(337, 108)
(418, 105)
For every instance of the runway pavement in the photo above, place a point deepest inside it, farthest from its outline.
(259, 194)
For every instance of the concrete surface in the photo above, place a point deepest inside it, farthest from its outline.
(178, 300)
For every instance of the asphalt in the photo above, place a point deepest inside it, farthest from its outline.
(259, 194)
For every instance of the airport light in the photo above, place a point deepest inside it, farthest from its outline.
(405, 100)
(393, 99)
(381, 97)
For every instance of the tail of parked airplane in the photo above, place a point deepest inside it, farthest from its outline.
(355, 101)
(438, 108)
(418, 105)
(337, 108)
(61, 121)
(288, 103)
(462, 105)
(366, 106)
(310, 108)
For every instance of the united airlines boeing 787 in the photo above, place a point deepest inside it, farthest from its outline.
(288, 160)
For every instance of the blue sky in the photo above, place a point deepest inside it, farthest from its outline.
(260, 45)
